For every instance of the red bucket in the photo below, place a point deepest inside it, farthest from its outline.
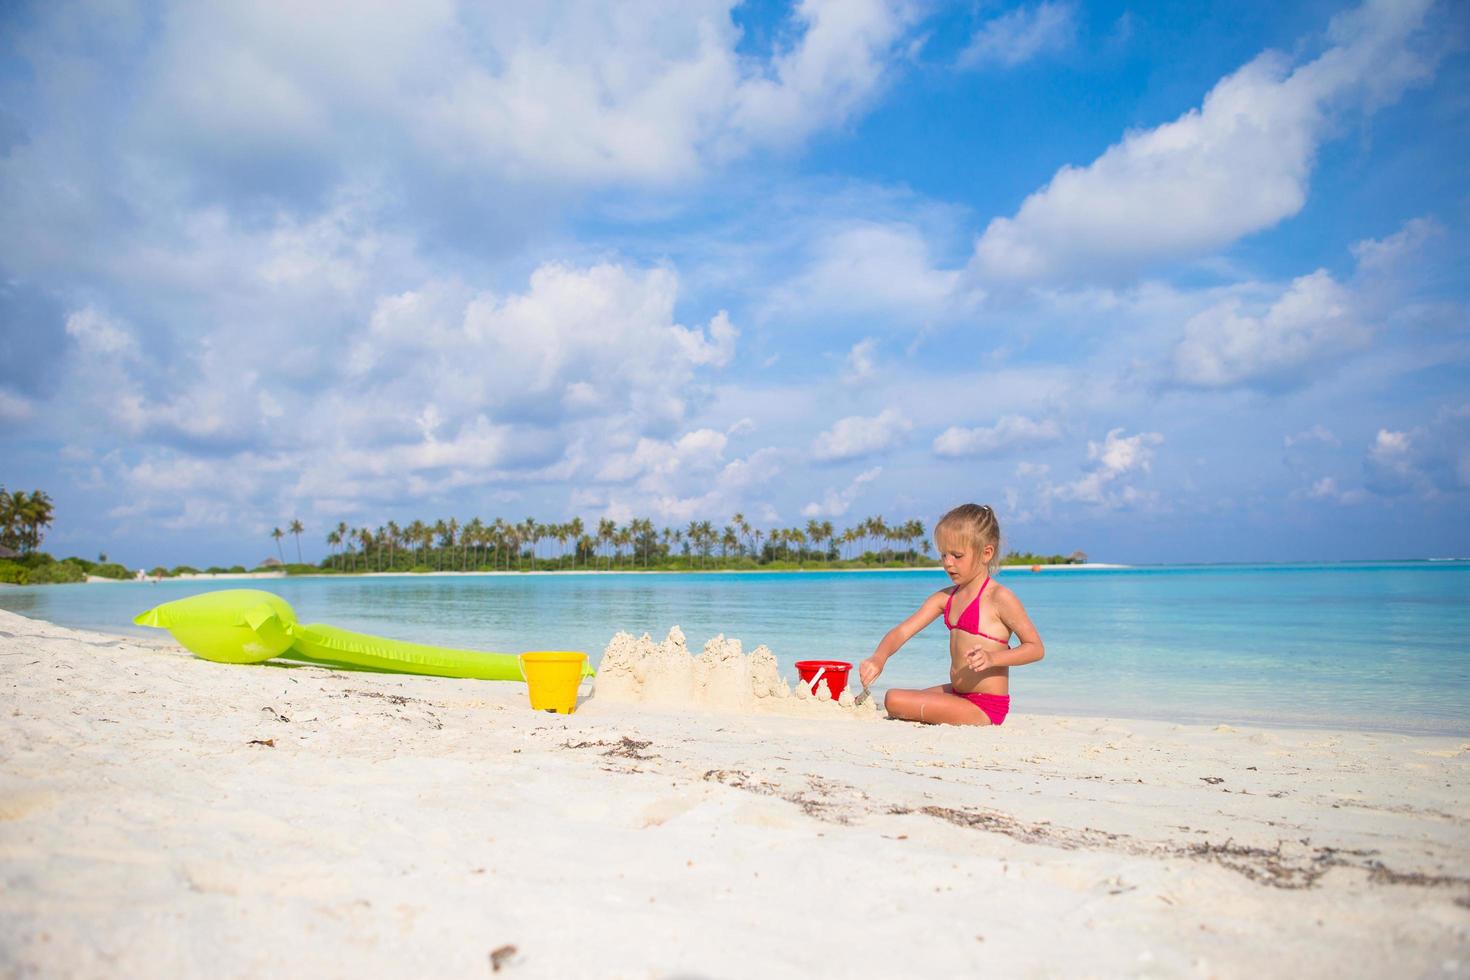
(835, 675)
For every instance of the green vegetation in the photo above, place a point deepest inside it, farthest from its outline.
(1027, 558)
(24, 518)
(499, 545)
(39, 568)
(57, 573)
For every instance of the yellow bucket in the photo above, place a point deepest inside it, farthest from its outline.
(552, 677)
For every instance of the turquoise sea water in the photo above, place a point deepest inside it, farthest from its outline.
(1364, 645)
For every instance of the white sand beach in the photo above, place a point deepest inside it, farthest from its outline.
(164, 816)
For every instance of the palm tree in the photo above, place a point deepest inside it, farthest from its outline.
(278, 534)
(915, 532)
(333, 539)
(409, 539)
(474, 532)
(605, 531)
(879, 530)
(741, 527)
(497, 540)
(9, 519)
(561, 532)
(623, 536)
(815, 531)
(22, 518)
(395, 534)
(648, 535)
(534, 533)
(692, 532)
(296, 528)
(707, 539)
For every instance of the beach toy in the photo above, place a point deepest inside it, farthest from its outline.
(552, 677)
(331, 646)
(231, 626)
(833, 671)
(247, 626)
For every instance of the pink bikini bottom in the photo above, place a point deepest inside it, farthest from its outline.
(995, 706)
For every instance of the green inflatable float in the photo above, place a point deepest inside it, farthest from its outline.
(248, 626)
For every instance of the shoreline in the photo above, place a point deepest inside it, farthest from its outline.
(410, 826)
(207, 576)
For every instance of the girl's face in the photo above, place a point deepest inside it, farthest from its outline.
(962, 562)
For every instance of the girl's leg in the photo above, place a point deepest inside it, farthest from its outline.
(936, 705)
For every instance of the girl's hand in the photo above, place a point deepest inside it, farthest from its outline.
(868, 671)
(979, 659)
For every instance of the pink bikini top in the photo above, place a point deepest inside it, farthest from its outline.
(969, 620)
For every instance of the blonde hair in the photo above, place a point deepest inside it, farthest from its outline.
(974, 524)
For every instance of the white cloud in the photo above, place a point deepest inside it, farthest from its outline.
(1317, 433)
(1392, 466)
(1118, 454)
(1239, 163)
(1021, 34)
(443, 388)
(15, 408)
(1423, 463)
(869, 268)
(700, 450)
(1326, 489)
(835, 503)
(587, 93)
(859, 365)
(1113, 458)
(700, 493)
(1311, 323)
(839, 62)
(100, 335)
(859, 435)
(1008, 432)
(1385, 255)
(602, 337)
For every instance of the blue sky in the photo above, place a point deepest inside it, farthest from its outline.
(1163, 282)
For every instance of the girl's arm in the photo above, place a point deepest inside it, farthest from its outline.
(1028, 651)
(931, 610)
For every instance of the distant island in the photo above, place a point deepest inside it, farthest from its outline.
(530, 546)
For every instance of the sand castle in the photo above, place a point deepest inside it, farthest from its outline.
(722, 677)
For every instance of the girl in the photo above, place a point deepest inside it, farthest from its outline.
(981, 615)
